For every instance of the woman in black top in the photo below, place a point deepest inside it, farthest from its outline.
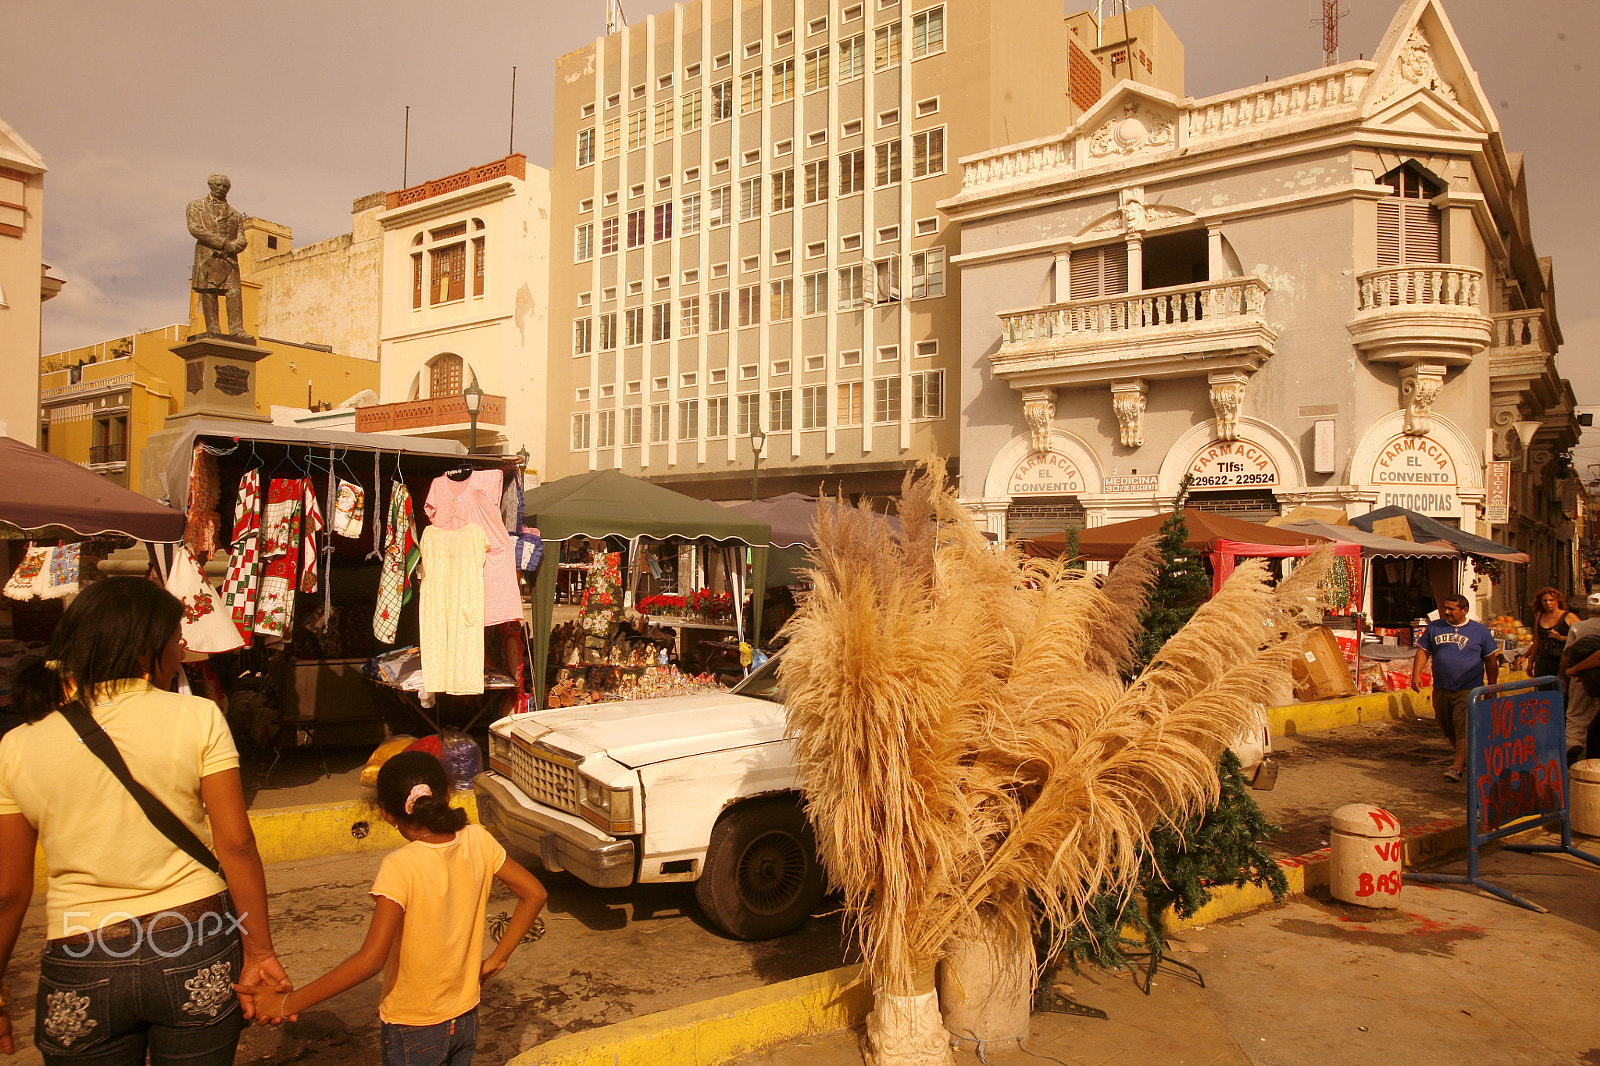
(1551, 620)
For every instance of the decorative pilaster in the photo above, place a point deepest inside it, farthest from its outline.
(1227, 396)
(1039, 408)
(1127, 400)
(1419, 387)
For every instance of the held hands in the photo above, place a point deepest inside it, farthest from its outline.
(265, 1001)
(7, 1046)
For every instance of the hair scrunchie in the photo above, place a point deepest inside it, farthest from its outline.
(417, 791)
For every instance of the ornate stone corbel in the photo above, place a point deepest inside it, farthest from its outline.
(1227, 396)
(1503, 414)
(1419, 387)
(1039, 408)
(1127, 400)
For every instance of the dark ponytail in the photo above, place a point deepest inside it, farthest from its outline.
(115, 630)
(403, 773)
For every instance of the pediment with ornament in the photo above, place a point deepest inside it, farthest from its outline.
(1131, 122)
(1423, 80)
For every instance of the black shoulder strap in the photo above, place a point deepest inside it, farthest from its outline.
(98, 741)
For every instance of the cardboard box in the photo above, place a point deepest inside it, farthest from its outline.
(1321, 672)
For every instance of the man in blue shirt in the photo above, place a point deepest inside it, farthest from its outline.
(1462, 651)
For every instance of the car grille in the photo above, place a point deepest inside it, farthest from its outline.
(543, 778)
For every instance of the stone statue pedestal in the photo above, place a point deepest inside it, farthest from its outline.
(219, 378)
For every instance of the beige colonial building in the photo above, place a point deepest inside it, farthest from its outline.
(25, 283)
(1319, 290)
(463, 296)
(743, 204)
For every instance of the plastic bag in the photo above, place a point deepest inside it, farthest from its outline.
(385, 751)
(462, 758)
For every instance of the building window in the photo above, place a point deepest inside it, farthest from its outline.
(927, 32)
(927, 273)
(689, 316)
(608, 331)
(927, 394)
(717, 306)
(583, 246)
(814, 407)
(747, 413)
(782, 190)
(605, 429)
(817, 69)
(663, 221)
(888, 170)
(780, 410)
(632, 426)
(582, 336)
(749, 305)
(817, 25)
(449, 279)
(661, 322)
(816, 181)
(850, 287)
(664, 112)
(688, 419)
(586, 147)
(608, 235)
(717, 416)
(750, 92)
(660, 422)
(749, 199)
(886, 46)
(1094, 272)
(886, 280)
(691, 112)
(848, 411)
(721, 202)
(852, 171)
(783, 81)
(580, 432)
(416, 280)
(636, 228)
(885, 400)
(782, 307)
(815, 293)
(612, 142)
(633, 326)
(477, 266)
(721, 101)
(927, 153)
(852, 57)
(636, 130)
(1409, 229)
(445, 376)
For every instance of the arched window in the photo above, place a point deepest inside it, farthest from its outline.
(1408, 223)
(445, 376)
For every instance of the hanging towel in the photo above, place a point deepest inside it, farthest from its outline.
(280, 552)
(205, 627)
(348, 507)
(241, 584)
(32, 574)
(310, 526)
(400, 558)
(60, 581)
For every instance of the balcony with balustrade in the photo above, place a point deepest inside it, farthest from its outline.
(1420, 312)
(1178, 331)
(436, 416)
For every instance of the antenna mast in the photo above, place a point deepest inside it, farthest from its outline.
(616, 21)
(1330, 32)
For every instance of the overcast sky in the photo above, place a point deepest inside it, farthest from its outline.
(302, 103)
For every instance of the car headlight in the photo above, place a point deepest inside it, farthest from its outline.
(609, 808)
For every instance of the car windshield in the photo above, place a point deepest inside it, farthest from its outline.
(762, 683)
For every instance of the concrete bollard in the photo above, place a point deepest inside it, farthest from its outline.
(1584, 780)
(1365, 863)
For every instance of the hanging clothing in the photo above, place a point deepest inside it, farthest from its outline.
(475, 500)
(31, 576)
(205, 626)
(241, 584)
(400, 557)
(451, 614)
(280, 553)
(201, 518)
(348, 507)
(310, 526)
(61, 580)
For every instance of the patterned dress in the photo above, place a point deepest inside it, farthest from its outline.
(451, 614)
(475, 501)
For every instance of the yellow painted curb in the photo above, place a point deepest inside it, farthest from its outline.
(292, 834)
(1296, 718)
(715, 1031)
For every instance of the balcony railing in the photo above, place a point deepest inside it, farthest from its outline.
(514, 165)
(100, 454)
(434, 412)
(1148, 309)
(1512, 331)
(1434, 284)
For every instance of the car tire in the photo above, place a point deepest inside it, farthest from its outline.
(761, 877)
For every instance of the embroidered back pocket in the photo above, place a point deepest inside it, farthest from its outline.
(200, 990)
(71, 1017)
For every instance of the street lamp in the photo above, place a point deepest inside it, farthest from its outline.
(758, 443)
(473, 396)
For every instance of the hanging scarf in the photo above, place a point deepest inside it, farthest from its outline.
(241, 584)
(400, 558)
(310, 526)
(202, 520)
(280, 548)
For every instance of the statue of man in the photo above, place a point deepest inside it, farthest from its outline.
(218, 230)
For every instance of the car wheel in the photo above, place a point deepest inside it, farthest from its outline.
(761, 877)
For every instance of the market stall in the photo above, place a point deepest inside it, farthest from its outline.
(609, 504)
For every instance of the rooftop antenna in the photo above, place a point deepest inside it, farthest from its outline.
(405, 152)
(1101, 12)
(1330, 31)
(616, 21)
(511, 139)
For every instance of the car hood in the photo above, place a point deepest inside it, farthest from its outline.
(639, 733)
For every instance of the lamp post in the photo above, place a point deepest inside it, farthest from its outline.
(473, 396)
(758, 443)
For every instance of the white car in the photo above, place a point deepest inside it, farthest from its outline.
(688, 788)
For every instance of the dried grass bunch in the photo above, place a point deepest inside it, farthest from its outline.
(964, 733)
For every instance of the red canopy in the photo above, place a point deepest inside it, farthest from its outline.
(1206, 530)
(45, 496)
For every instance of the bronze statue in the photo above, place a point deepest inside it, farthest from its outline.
(218, 230)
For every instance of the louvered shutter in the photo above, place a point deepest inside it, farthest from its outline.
(1388, 233)
(1422, 244)
(1096, 272)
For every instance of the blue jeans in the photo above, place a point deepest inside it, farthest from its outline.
(448, 1043)
(165, 993)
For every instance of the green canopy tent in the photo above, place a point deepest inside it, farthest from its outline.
(609, 503)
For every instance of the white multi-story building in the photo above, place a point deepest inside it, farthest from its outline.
(1319, 290)
(24, 283)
